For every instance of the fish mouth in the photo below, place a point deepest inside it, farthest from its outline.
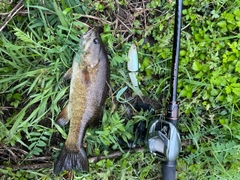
(88, 37)
(92, 33)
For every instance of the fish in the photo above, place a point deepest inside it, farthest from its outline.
(89, 87)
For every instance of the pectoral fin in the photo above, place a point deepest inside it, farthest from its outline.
(68, 74)
(64, 117)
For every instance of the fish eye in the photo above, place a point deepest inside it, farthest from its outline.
(96, 41)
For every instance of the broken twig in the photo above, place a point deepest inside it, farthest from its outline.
(12, 13)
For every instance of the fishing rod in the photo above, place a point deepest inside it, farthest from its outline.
(172, 113)
(163, 138)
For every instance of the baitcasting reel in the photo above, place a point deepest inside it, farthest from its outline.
(163, 140)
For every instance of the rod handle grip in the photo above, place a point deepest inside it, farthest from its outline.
(168, 170)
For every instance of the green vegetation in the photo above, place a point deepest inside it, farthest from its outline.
(37, 46)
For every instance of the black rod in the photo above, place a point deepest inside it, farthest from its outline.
(172, 114)
(175, 51)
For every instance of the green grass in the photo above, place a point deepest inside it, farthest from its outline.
(37, 48)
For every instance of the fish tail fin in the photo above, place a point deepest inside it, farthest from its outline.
(68, 160)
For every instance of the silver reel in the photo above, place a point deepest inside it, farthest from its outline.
(163, 140)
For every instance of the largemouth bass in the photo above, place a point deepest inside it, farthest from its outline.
(88, 90)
